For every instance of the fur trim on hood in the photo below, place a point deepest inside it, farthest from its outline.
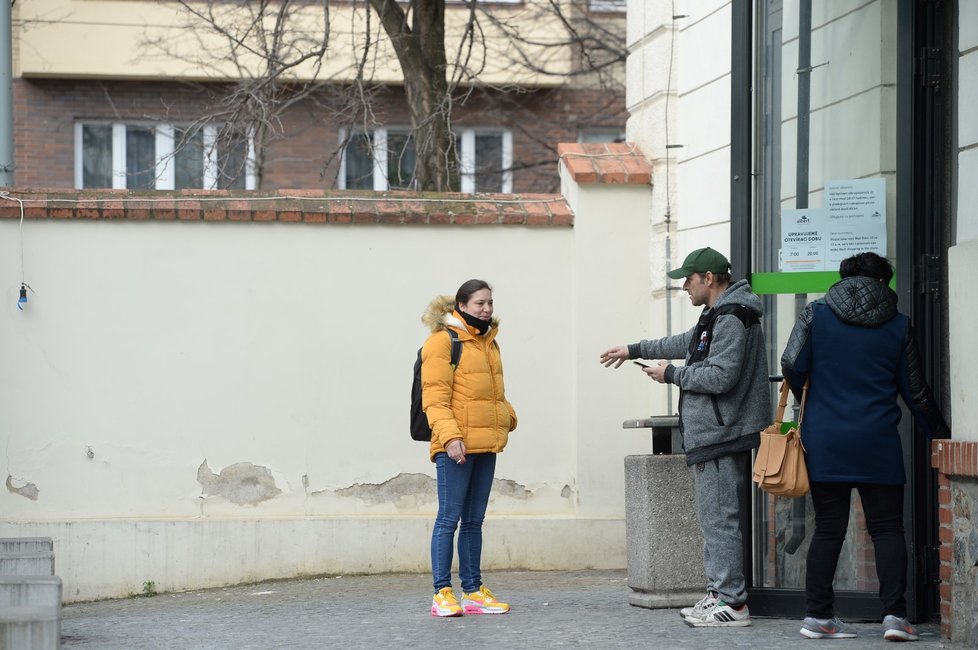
(438, 315)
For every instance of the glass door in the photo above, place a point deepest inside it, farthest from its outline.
(825, 153)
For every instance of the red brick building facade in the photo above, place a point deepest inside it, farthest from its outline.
(307, 150)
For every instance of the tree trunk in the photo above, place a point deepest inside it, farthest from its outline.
(420, 50)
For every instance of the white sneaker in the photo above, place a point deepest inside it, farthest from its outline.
(706, 601)
(720, 614)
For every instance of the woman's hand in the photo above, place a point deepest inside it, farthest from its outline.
(456, 451)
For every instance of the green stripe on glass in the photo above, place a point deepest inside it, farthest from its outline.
(802, 282)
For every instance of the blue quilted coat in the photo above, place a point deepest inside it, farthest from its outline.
(859, 353)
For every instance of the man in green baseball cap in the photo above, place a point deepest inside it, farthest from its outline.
(724, 402)
(700, 261)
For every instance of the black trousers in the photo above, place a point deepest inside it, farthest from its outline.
(883, 507)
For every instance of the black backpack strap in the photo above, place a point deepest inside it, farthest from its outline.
(699, 345)
(456, 348)
(746, 315)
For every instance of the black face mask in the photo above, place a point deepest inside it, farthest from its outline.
(478, 323)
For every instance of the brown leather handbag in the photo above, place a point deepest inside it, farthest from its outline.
(779, 467)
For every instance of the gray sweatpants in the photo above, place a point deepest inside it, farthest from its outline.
(718, 485)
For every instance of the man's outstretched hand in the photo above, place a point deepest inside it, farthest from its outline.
(617, 356)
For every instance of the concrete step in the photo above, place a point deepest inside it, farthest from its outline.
(31, 563)
(30, 628)
(25, 544)
(30, 591)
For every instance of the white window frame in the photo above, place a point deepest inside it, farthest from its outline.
(378, 144)
(165, 172)
(610, 6)
(611, 133)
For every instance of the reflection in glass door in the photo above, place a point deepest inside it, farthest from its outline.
(825, 103)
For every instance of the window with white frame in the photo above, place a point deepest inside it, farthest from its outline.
(160, 156)
(607, 5)
(601, 135)
(385, 158)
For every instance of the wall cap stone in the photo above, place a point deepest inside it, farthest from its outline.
(612, 163)
(288, 206)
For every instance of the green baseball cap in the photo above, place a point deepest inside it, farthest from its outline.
(700, 261)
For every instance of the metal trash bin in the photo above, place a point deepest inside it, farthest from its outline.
(664, 545)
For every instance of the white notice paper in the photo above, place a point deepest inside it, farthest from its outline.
(803, 239)
(857, 218)
(852, 221)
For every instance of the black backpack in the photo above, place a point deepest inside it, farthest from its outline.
(419, 421)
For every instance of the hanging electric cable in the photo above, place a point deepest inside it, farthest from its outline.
(24, 287)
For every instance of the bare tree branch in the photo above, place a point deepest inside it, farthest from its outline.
(272, 58)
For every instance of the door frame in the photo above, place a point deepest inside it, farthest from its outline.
(923, 236)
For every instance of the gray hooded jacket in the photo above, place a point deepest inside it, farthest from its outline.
(725, 398)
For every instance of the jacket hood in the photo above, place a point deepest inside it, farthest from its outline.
(861, 301)
(440, 314)
(739, 293)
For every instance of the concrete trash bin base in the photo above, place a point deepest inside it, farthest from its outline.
(664, 544)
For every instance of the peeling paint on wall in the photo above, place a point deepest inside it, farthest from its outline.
(403, 490)
(241, 483)
(28, 490)
(567, 493)
(511, 489)
(407, 490)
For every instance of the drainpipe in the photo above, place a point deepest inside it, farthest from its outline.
(804, 73)
(6, 97)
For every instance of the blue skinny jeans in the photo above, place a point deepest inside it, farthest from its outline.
(463, 495)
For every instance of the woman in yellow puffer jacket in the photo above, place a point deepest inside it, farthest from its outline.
(470, 423)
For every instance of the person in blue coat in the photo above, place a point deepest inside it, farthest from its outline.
(859, 354)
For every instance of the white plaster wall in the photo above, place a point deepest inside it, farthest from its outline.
(114, 557)
(150, 348)
(963, 257)
(967, 198)
(690, 202)
(962, 298)
(156, 346)
(613, 309)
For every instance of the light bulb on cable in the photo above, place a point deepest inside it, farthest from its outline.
(22, 300)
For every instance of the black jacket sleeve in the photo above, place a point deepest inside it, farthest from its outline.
(921, 397)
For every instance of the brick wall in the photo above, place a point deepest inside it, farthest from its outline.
(957, 498)
(304, 154)
(305, 206)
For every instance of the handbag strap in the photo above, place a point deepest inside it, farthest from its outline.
(782, 403)
(804, 398)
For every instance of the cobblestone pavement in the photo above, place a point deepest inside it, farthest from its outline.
(551, 609)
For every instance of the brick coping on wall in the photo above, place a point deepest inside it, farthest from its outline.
(298, 206)
(614, 163)
(953, 459)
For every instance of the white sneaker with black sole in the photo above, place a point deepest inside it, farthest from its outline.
(706, 601)
(720, 614)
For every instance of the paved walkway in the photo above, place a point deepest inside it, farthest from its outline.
(551, 609)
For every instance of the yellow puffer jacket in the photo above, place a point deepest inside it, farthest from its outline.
(468, 402)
